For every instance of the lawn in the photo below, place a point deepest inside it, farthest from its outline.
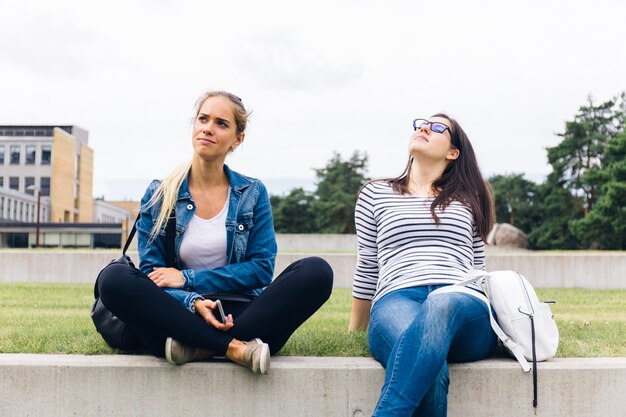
(54, 318)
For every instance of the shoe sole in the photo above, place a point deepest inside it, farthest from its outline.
(264, 365)
(168, 351)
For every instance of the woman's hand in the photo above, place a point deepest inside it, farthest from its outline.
(167, 277)
(205, 309)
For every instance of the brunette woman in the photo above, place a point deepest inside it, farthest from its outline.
(418, 232)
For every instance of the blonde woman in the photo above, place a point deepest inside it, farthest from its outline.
(224, 243)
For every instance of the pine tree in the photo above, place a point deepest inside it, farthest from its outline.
(337, 189)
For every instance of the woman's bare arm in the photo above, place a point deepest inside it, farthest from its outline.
(360, 316)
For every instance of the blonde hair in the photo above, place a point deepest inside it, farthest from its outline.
(167, 192)
(239, 111)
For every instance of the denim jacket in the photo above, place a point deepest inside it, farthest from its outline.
(250, 241)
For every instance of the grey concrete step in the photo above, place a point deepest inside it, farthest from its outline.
(125, 385)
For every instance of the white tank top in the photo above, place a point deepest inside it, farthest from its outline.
(204, 242)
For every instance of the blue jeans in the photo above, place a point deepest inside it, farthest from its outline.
(412, 335)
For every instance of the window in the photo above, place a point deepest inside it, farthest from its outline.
(15, 154)
(1, 182)
(107, 240)
(1, 154)
(17, 240)
(30, 154)
(14, 183)
(28, 182)
(44, 185)
(46, 153)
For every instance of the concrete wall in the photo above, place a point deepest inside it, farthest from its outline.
(600, 270)
(288, 242)
(121, 385)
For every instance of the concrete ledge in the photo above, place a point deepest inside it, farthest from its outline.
(599, 270)
(125, 385)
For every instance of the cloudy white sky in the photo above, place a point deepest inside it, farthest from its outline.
(320, 76)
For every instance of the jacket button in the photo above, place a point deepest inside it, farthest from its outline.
(189, 206)
(240, 227)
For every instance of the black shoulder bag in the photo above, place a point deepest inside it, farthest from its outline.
(113, 330)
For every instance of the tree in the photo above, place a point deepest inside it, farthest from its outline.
(294, 212)
(556, 208)
(605, 226)
(580, 180)
(337, 187)
(515, 201)
(578, 156)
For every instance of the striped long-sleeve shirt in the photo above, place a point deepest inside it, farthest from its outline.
(401, 246)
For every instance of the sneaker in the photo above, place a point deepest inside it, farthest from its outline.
(176, 353)
(257, 356)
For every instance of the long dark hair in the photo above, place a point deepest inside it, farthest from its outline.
(461, 181)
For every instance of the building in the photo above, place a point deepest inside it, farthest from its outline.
(55, 161)
(21, 207)
(131, 206)
(61, 235)
(106, 212)
(46, 180)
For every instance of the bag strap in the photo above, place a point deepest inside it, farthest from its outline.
(170, 239)
(131, 235)
(532, 325)
(479, 277)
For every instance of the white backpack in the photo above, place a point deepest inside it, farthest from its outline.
(524, 324)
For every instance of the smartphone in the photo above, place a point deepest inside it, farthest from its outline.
(221, 316)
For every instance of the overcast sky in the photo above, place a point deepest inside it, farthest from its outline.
(320, 76)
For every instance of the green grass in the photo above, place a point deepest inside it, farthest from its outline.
(48, 318)
(592, 323)
(54, 318)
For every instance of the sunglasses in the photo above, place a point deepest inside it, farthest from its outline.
(434, 126)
